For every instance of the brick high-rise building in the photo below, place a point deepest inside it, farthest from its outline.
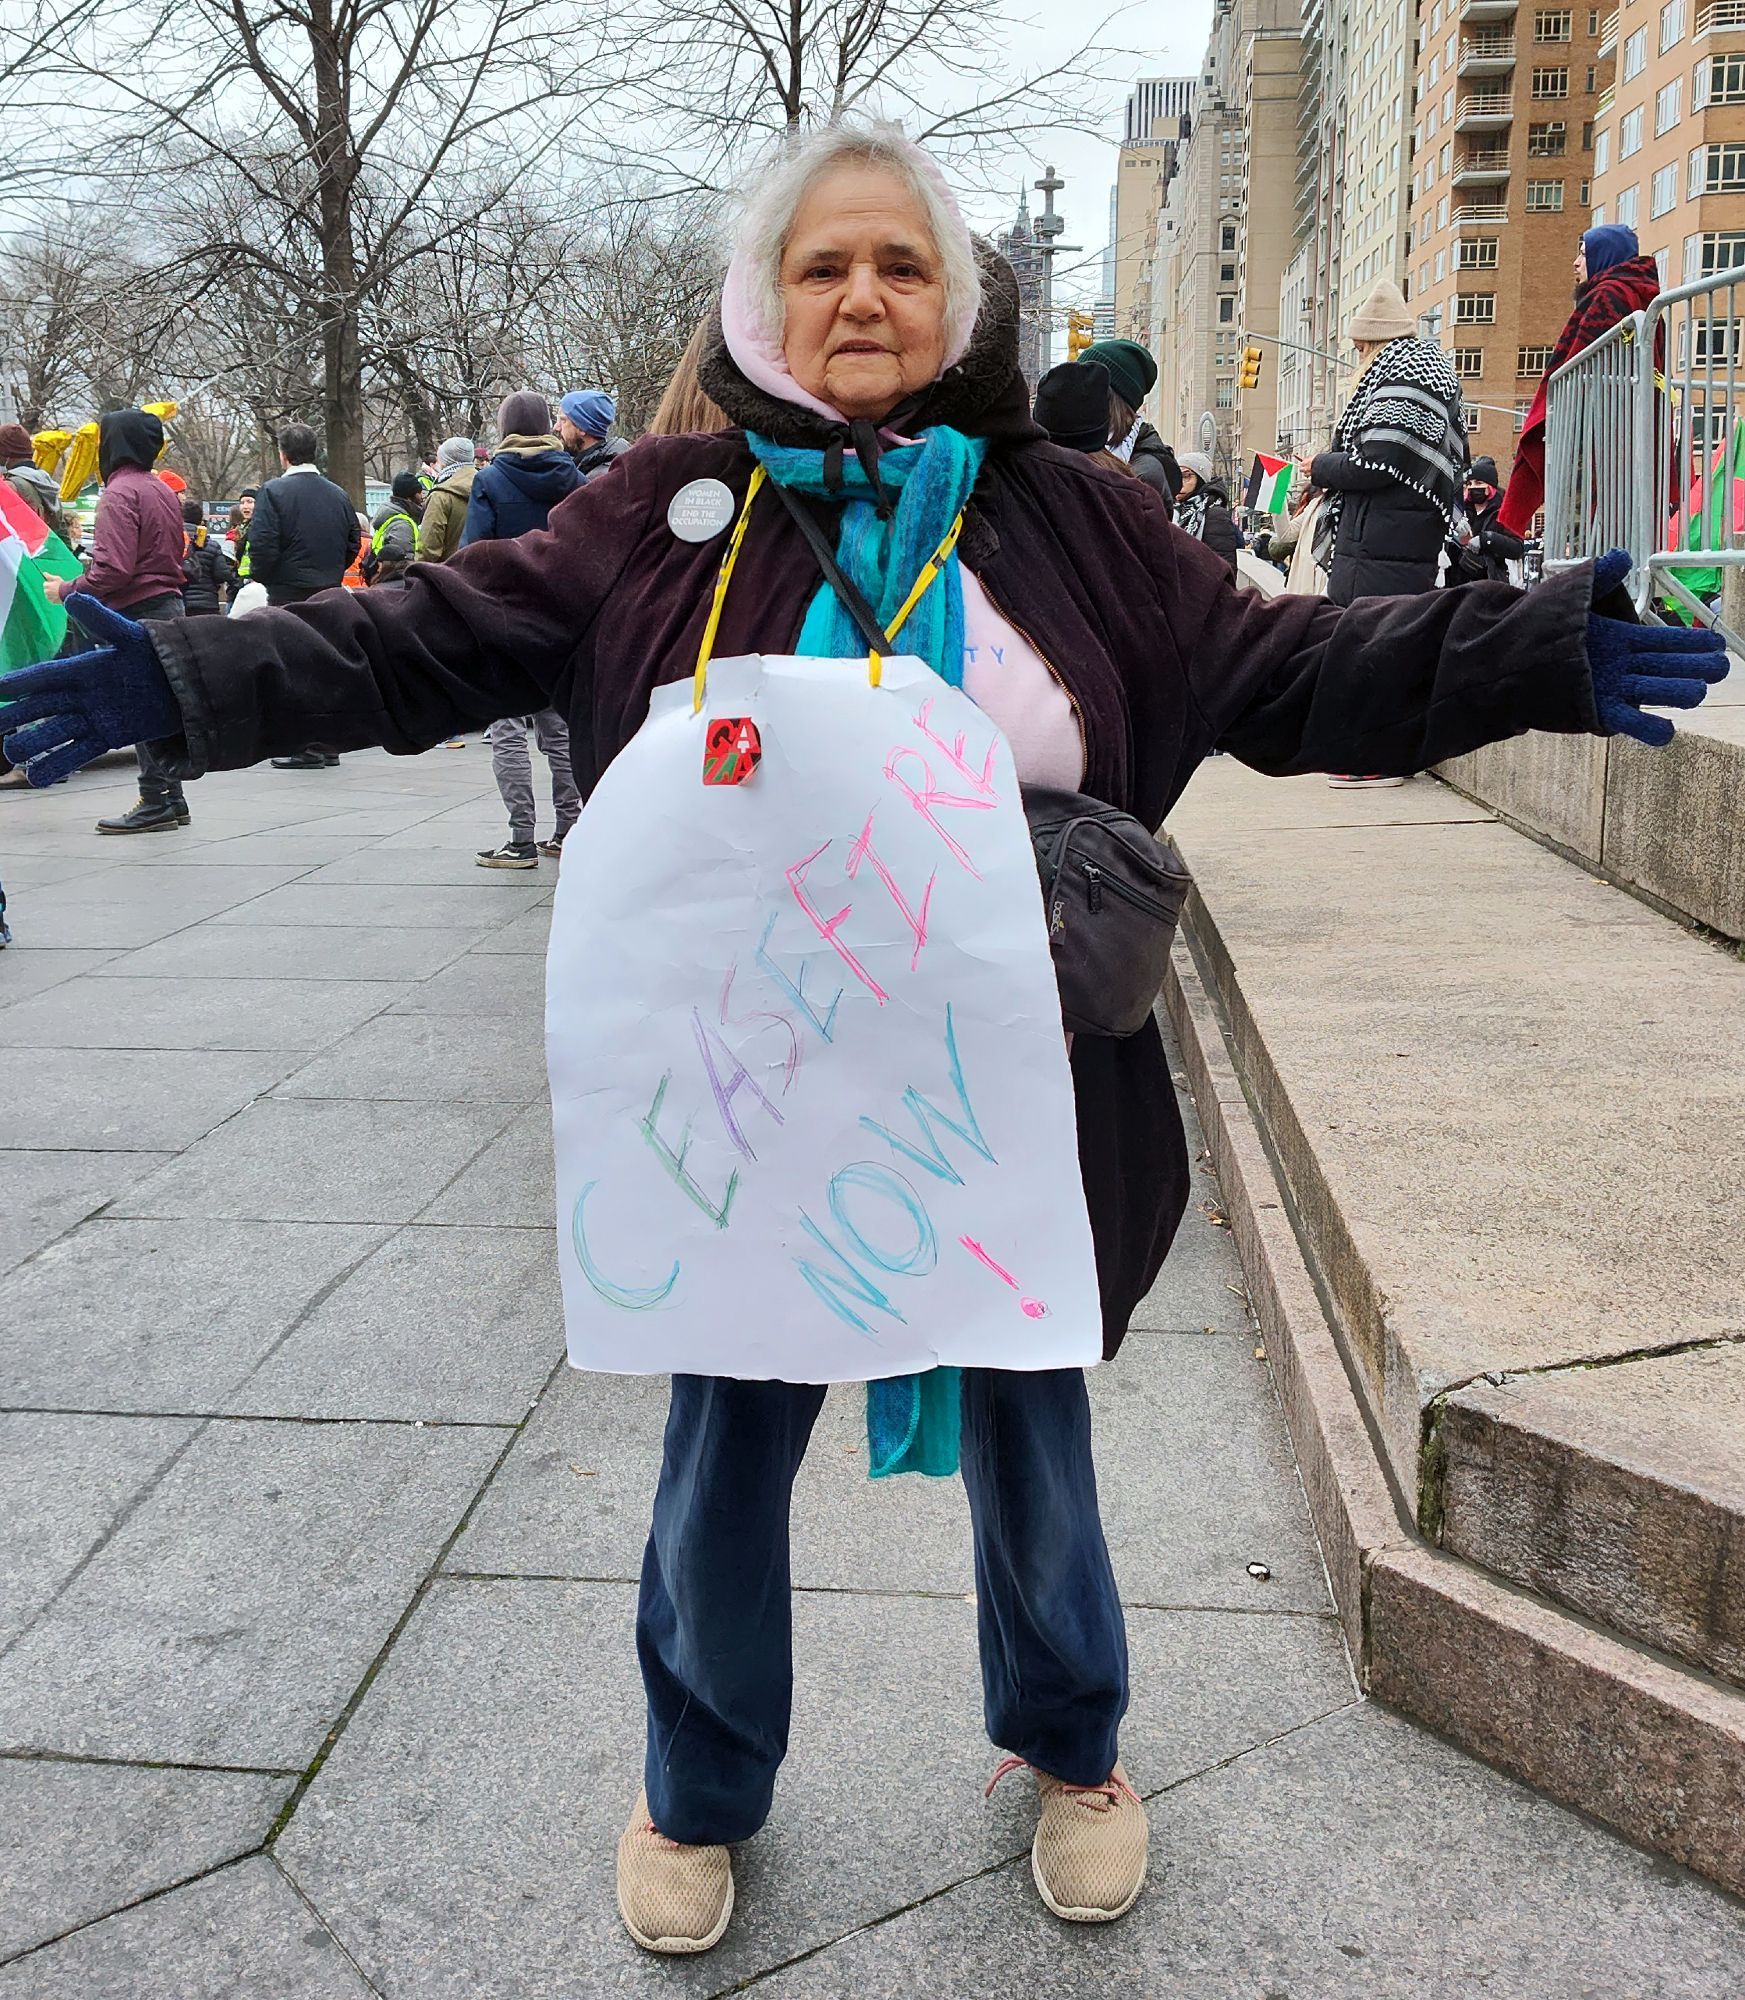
(1669, 132)
(1501, 167)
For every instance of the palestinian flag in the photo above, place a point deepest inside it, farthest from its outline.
(31, 628)
(1269, 484)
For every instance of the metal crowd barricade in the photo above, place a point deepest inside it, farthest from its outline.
(1645, 451)
(1692, 420)
(1595, 497)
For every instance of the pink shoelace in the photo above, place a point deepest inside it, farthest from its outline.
(1110, 1790)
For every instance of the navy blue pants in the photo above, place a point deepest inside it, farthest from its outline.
(714, 1630)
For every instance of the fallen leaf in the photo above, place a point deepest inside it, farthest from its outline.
(584, 1472)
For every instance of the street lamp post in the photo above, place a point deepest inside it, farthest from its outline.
(1049, 227)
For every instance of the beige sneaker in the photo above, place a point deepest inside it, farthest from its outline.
(672, 1898)
(1089, 1853)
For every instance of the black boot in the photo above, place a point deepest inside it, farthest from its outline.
(161, 817)
(302, 760)
(181, 806)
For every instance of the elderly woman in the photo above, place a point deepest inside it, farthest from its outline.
(869, 361)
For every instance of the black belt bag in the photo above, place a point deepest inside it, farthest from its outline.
(1112, 892)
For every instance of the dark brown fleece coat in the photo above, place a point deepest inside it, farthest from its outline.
(1163, 657)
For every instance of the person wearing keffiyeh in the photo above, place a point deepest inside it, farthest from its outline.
(1612, 281)
(1393, 475)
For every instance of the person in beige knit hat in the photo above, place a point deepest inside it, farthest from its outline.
(1382, 317)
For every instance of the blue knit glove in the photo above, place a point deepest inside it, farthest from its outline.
(61, 714)
(1638, 666)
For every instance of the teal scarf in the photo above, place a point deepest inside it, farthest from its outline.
(911, 1420)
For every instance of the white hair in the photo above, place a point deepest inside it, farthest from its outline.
(767, 219)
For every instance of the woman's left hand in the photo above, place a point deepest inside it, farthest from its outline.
(1636, 667)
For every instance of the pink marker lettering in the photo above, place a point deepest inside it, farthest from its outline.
(828, 927)
(953, 751)
(863, 849)
(924, 801)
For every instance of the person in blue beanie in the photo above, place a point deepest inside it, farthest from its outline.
(1612, 281)
(584, 417)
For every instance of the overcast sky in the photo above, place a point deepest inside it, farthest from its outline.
(1168, 38)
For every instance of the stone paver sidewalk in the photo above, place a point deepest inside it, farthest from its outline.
(317, 1568)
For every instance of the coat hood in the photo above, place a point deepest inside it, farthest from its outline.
(537, 467)
(983, 395)
(128, 437)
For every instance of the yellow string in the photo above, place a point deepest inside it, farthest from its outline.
(875, 661)
(700, 680)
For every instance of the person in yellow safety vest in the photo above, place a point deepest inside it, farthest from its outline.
(394, 530)
(241, 517)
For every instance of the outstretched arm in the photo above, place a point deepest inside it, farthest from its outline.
(487, 634)
(1392, 685)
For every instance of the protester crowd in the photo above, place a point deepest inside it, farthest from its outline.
(1056, 560)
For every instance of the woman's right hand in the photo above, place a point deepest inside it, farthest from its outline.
(60, 714)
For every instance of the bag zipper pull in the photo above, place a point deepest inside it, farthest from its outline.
(1094, 876)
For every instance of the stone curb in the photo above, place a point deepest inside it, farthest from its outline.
(1654, 1750)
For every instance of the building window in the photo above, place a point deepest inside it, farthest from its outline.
(1663, 190)
(1598, 218)
(1544, 197)
(1441, 265)
(1631, 200)
(1587, 136)
(1602, 153)
(1722, 250)
(1227, 237)
(1226, 397)
(1661, 258)
(1469, 363)
(1226, 274)
(1442, 213)
(1668, 105)
(1226, 311)
(1586, 194)
(1718, 80)
(1553, 27)
(1593, 20)
(1671, 24)
(1550, 83)
(1475, 309)
(1473, 419)
(1635, 56)
(1722, 168)
(1448, 156)
(1532, 362)
(1546, 142)
(1476, 253)
(1630, 133)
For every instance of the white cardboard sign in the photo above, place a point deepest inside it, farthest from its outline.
(810, 1092)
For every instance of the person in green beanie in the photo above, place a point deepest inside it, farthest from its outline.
(1132, 377)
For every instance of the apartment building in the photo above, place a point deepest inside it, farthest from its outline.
(1507, 93)
(1669, 132)
(1373, 185)
(1156, 110)
(1224, 236)
(1311, 296)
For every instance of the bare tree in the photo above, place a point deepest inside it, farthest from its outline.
(731, 75)
(337, 117)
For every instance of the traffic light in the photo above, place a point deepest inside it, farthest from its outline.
(1078, 334)
(1249, 377)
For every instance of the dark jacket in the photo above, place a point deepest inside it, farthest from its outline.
(1154, 462)
(208, 574)
(304, 533)
(598, 456)
(1216, 528)
(512, 495)
(1163, 656)
(137, 546)
(1390, 537)
(1486, 557)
